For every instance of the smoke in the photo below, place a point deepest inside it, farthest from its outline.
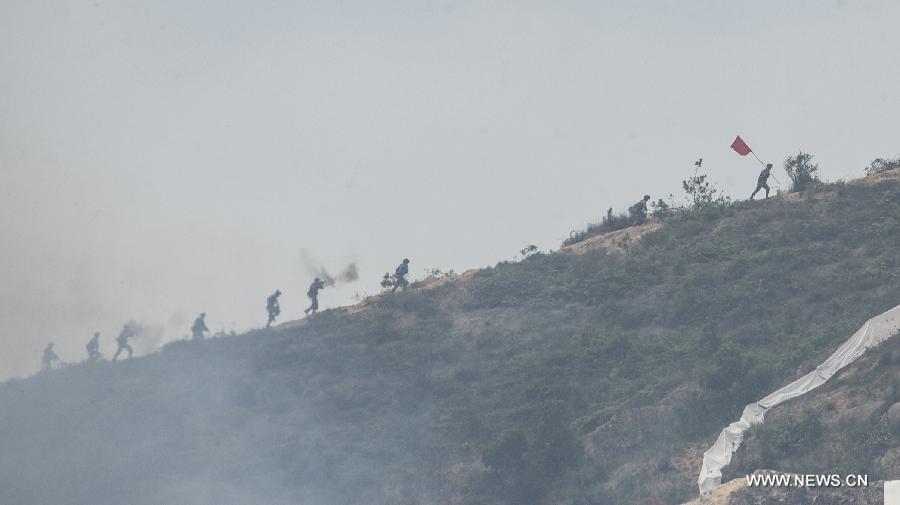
(348, 274)
(147, 337)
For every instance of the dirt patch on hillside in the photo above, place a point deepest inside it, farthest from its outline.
(614, 241)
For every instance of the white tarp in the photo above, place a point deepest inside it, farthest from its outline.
(873, 332)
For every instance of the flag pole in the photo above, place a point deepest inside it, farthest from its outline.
(757, 158)
(743, 145)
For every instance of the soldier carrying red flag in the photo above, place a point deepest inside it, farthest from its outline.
(761, 181)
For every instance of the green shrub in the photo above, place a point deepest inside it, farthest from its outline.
(790, 437)
(734, 380)
(801, 170)
(521, 472)
(701, 194)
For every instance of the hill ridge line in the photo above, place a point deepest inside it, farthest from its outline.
(616, 241)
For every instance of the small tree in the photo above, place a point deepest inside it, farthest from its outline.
(701, 194)
(801, 170)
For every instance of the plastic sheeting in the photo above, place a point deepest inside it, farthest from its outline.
(873, 332)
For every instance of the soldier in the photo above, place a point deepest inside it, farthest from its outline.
(49, 357)
(639, 210)
(199, 327)
(313, 294)
(122, 341)
(400, 276)
(761, 181)
(93, 348)
(272, 307)
(386, 281)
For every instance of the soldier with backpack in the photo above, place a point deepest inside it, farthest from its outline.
(313, 294)
(638, 211)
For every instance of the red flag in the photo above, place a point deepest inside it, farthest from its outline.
(740, 146)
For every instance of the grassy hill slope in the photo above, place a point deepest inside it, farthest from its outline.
(565, 378)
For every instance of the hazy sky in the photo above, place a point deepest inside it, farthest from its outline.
(158, 159)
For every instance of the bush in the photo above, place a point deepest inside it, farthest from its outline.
(511, 477)
(879, 165)
(519, 472)
(701, 194)
(437, 273)
(662, 208)
(793, 436)
(801, 170)
(529, 250)
(733, 380)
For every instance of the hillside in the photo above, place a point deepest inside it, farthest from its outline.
(593, 376)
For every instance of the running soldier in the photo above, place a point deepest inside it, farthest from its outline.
(122, 341)
(272, 307)
(313, 294)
